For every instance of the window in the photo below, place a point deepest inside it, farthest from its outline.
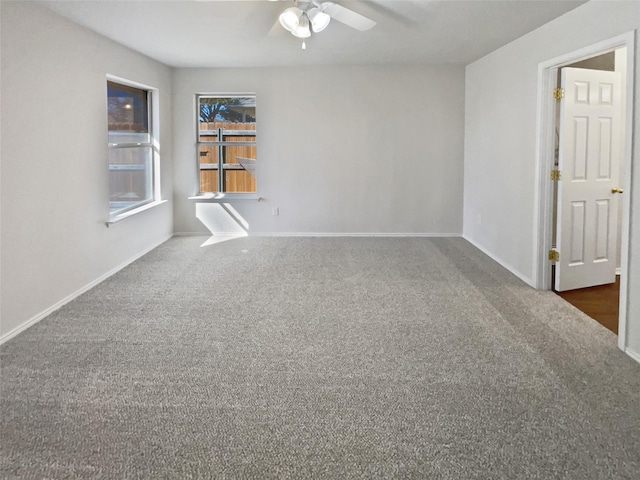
(227, 143)
(132, 153)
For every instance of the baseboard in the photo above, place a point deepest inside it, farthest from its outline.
(634, 355)
(518, 274)
(323, 234)
(352, 234)
(195, 234)
(45, 313)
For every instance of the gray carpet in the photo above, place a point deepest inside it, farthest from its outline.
(318, 358)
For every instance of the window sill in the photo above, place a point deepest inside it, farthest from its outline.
(115, 219)
(225, 197)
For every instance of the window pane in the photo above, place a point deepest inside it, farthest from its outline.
(130, 179)
(208, 168)
(239, 168)
(208, 132)
(209, 181)
(208, 155)
(128, 113)
(239, 181)
(235, 113)
(241, 156)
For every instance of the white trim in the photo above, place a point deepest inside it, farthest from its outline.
(321, 234)
(226, 94)
(542, 214)
(353, 234)
(623, 319)
(634, 355)
(525, 279)
(191, 234)
(543, 204)
(45, 313)
(130, 83)
(225, 197)
(123, 216)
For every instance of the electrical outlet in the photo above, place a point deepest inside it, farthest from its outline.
(275, 211)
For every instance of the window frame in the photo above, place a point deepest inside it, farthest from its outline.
(221, 144)
(153, 171)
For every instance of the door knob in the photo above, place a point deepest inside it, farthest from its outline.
(616, 190)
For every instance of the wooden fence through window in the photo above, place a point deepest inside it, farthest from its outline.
(239, 160)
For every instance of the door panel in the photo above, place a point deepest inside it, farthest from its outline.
(604, 129)
(577, 233)
(590, 123)
(603, 221)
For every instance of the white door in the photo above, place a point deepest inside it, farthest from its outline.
(590, 148)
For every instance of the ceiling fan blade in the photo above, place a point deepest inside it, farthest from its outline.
(276, 30)
(348, 17)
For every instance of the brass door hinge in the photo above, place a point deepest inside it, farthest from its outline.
(555, 174)
(554, 255)
(558, 93)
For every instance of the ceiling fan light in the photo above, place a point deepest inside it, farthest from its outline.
(319, 20)
(302, 30)
(290, 18)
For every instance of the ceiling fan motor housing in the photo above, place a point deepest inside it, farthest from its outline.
(310, 15)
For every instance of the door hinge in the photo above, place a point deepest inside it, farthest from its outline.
(558, 93)
(554, 255)
(555, 174)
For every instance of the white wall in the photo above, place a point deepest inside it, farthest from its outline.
(54, 162)
(500, 140)
(373, 150)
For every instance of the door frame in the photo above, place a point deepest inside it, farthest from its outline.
(545, 141)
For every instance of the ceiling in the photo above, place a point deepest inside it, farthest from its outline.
(243, 33)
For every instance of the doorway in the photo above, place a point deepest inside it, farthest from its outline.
(589, 137)
(547, 74)
(602, 303)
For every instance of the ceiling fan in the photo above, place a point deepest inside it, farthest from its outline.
(308, 16)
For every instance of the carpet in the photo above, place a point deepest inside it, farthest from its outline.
(318, 358)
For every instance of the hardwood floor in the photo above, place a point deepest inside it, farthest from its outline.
(600, 303)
